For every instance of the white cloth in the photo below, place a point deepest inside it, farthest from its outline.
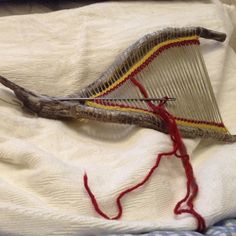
(42, 161)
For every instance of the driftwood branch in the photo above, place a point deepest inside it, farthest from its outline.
(58, 108)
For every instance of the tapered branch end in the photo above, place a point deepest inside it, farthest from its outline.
(211, 34)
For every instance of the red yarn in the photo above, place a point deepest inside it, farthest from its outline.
(179, 151)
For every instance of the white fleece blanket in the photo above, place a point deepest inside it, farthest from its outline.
(42, 161)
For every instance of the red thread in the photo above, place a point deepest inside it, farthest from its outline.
(122, 194)
(148, 60)
(177, 118)
(192, 187)
(108, 103)
(179, 151)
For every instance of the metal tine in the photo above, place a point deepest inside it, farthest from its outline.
(113, 78)
(139, 103)
(136, 58)
(110, 81)
(194, 83)
(202, 87)
(114, 99)
(150, 79)
(144, 73)
(179, 69)
(206, 80)
(127, 66)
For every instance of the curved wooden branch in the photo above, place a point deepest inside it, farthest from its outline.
(55, 108)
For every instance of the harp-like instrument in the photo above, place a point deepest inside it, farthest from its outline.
(168, 63)
(162, 69)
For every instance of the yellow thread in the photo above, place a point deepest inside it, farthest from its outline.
(139, 63)
(117, 108)
(204, 126)
(179, 122)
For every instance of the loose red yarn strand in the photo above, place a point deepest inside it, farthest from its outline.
(123, 193)
(178, 145)
(93, 199)
(176, 138)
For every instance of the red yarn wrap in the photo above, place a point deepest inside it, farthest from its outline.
(179, 151)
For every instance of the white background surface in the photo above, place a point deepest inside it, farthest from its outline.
(42, 161)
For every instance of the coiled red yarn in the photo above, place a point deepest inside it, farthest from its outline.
(179, 151)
